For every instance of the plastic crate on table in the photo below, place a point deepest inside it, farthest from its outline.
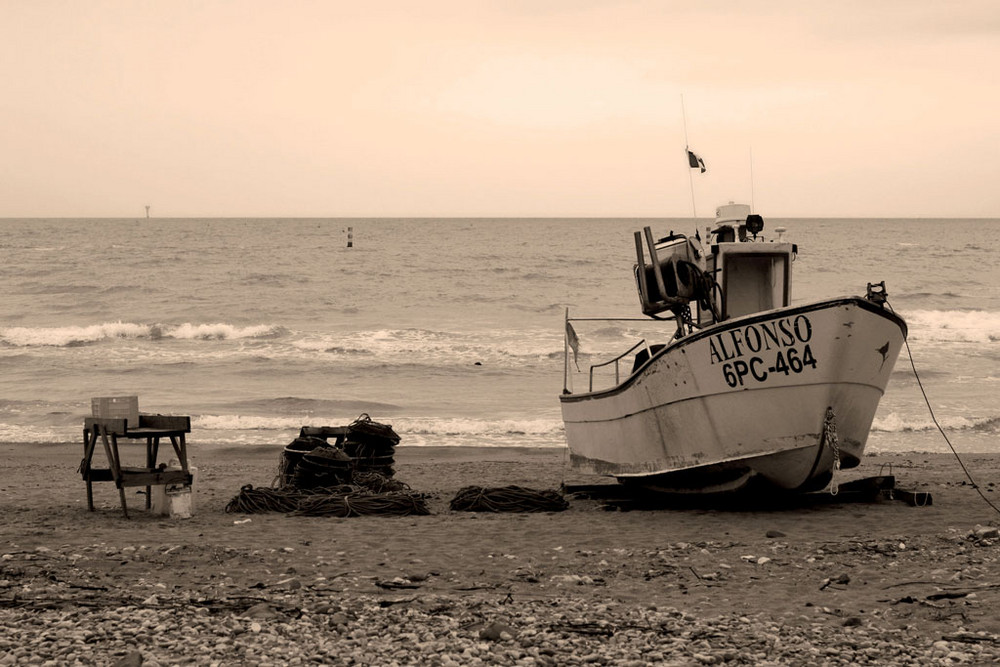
(117, 407)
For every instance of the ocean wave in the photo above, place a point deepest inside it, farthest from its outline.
(73, 336)
(480, 427)
(971, 326)
(252, 430)
(245, 423)
(222, 331)
(299, 405)
(271, 279)
(538, 308)
(413, 431)
(394, 346)
(929, 295)
(893, 423)
(21, 433)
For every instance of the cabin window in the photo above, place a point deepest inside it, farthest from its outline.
(754, 283)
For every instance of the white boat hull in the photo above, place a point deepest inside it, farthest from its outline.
(749, 397)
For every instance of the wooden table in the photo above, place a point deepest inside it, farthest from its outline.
(151, 428)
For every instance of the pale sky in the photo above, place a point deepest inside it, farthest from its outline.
(430, 108)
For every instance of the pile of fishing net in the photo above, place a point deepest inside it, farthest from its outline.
(353, 476)
(372, 445)
(507, 499)
(312, 461)
(379, 496)
(319, 467)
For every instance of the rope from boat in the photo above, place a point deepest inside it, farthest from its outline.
(705, 288)
(507, 499)
(944, 435)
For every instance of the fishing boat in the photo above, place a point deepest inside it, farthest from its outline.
(743, 387)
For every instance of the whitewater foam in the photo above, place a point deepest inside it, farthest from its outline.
(69, 336)
(421, 345)
(972, 326)
(222, 331)
(73, 335)
(894, 423)
(413, 431)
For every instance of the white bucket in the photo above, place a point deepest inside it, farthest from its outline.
(175, 500)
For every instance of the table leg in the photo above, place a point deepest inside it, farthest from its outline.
(89, 442)
(152, 449)
(180, 448)
(111, 450)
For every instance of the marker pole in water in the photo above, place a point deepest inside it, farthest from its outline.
(350, 237)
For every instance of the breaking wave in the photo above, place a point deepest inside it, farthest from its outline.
(893, 423)
(414, 432)
(72, 336)
(448, 347)
(971, 326)
(236, 429)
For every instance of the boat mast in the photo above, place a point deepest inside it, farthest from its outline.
(687, 150)
(566, 326)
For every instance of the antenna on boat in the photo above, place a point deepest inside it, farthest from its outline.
(687, 155)
(752, 207)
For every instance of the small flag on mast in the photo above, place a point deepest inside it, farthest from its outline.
(695, 162)
(573, 342)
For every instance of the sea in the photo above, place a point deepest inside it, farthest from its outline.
(451, 330)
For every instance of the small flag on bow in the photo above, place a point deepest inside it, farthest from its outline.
(695, 162)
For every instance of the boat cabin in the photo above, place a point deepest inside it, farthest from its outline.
(740, 274)
(752, 275)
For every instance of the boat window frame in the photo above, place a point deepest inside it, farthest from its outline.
(729, 254)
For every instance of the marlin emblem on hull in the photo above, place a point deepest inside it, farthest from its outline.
(884, 351)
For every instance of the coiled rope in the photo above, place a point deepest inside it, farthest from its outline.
(705, 289)
(376, 482)
(363, 504)
(262, 500)
(507, 499)
(340, 501)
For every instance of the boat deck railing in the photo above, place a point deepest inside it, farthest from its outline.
(615, 361)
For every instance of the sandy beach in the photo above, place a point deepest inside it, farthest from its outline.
(808, 583)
